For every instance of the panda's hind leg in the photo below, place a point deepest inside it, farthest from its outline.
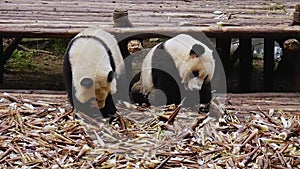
(168, 85)
(205, 97)
(135, 91)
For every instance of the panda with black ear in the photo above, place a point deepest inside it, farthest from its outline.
(91, 65)
(181, 67)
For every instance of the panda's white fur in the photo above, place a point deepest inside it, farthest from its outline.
(179, 48)
(89, 59)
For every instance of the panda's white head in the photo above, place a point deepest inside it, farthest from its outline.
(95, 61)
(193, 59)
(96, 89)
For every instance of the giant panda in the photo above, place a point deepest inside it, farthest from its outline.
(181, 67)
(92, 64)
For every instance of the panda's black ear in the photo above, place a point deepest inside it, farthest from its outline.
(86, 82)
(110, 76)
(161, 45)
(197, 50)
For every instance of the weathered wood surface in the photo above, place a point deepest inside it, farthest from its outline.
(240, 103)
(65, 18)
(247, 103)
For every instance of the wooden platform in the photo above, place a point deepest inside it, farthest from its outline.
(242, 104)
(66, 18)
(223, 20)
(247, 103)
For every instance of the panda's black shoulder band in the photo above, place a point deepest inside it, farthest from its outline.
(111, 59)
(110, 76)
(161, 46)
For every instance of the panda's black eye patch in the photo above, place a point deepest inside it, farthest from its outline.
(197, 50)
(196, 74)
(193, 74)
(86, 82)
(110, 76)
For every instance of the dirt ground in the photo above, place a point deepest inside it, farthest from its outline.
(37, 80)
(33, 80)
(35, 64)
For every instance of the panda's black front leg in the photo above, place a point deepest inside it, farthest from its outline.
(135, 91)
(109, 109)
(205, 97)
(167, 84)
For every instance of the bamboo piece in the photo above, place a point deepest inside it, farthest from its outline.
(58, 139)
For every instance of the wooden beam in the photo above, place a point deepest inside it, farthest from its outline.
(223, 49)
(269, 64)
(245, 69)
(291, 53)
(218, 32)
(296, 20)
(148, 32)
(1, 60)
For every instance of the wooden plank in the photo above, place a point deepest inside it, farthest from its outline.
(34, 92)
(225, 31)
(175, 4)
(244, 103)
(245, 69)
(241, 103)
(269, 64)
(223, 49)
(254, 10)
(2, 60)
(248, 108)
(141, 13)
(236, 14)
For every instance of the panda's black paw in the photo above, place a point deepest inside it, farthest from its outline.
(112, 118)
(204, 108)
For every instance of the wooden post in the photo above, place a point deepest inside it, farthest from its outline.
(121, 20)
(292, 53)
(245, 64)
(269, 64)
(223, 48)
(2, 62)
(296, 20)
(120, 17)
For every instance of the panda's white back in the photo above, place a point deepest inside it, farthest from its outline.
(90, 59)
(87, 57)
(111, 43)
(179, 48)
